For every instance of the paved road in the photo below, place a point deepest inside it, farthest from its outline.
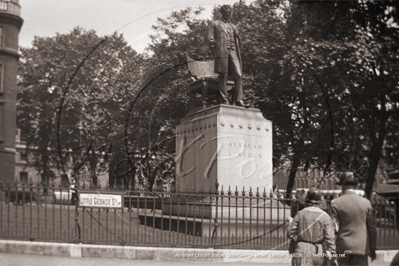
(7, 259)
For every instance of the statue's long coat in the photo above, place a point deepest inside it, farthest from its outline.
(217, 37)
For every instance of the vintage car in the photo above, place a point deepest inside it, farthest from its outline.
(67, 196)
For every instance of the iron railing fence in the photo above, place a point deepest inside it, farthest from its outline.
(228, 219)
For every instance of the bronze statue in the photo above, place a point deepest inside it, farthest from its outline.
(225, 44)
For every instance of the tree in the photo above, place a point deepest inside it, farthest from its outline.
(94, 103)
(359, 43)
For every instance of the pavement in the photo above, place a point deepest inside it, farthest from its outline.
(31, 253)
(7, 259)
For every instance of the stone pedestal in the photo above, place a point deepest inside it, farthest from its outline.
(243, 229)
(224, 146)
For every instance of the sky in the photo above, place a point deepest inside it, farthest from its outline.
(133, 18)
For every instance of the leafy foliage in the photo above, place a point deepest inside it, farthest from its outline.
(92, 113)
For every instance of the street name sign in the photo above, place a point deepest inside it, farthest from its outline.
(100, 199)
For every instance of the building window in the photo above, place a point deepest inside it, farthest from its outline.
(23, 177)
(24, 156)
(3, 6)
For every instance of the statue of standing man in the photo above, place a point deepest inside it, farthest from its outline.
(225, 44)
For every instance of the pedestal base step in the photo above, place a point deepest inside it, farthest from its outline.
(236, 228)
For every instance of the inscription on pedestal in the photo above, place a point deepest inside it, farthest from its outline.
(235, 152)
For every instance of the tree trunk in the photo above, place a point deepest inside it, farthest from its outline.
(94, 179)
(93, 168)
(374, 158)
(291, 179)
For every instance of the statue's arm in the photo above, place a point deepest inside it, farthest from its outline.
(211, 36)
(237, 35)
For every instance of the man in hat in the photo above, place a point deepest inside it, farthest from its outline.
(352, 214)
(225, 44)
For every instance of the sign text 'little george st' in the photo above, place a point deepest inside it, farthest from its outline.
(100, 200)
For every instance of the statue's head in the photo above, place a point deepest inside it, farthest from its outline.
(225, 10)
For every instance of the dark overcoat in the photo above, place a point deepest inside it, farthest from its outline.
(217, 38)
